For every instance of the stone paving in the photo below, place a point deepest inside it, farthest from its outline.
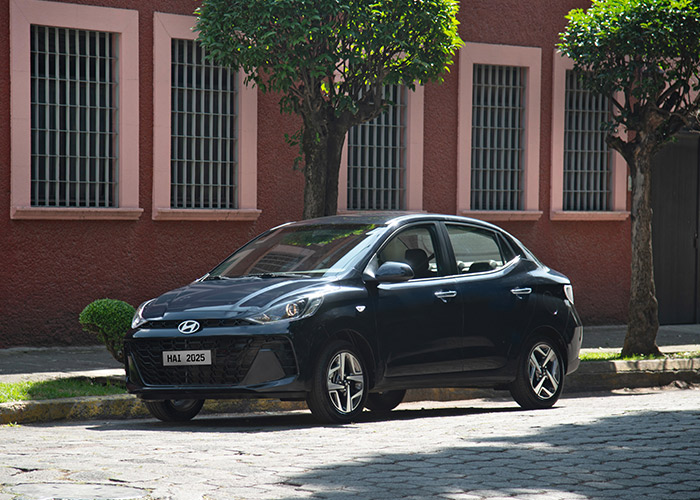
(642, 444)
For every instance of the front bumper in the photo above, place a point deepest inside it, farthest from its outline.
(241, 366)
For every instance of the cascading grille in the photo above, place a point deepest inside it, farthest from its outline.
(205, 323)
(232, 357)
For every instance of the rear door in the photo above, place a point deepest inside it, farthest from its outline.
(495, 291)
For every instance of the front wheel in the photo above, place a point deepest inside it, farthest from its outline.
(339, 387)
(175, 410)
(540, 377)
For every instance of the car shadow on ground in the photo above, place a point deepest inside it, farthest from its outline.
(646, 455)
(289, 420)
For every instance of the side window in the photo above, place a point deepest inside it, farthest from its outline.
(415, 247)
(476, 250)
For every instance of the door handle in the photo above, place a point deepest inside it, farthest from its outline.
(445, 295)
(521, 292)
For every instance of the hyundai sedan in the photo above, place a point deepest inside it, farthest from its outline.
(348, 312)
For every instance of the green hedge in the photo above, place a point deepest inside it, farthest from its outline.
(110, 320)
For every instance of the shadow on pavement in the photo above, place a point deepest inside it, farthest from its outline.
(286, 420)
(648, 455)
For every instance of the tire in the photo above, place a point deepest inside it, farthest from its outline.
(339, 385)
(175, 410)
(384, 402)
(540, 377)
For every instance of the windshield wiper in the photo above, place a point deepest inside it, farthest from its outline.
(212, 278)
(280, 275)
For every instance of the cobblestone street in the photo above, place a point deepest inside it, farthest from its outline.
(631, 445)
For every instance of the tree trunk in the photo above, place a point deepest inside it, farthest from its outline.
(323, 147)
(643, 323)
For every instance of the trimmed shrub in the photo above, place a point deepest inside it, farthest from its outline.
(110, 320)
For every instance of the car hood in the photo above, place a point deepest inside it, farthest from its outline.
(230, 297)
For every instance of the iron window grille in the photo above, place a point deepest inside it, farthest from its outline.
(377, 157)
(497, 137)
(587, 157)
(204, 164)
(74, 113)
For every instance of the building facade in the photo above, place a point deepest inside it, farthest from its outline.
(129, 165)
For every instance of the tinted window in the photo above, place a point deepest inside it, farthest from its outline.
(476, 250)
(415, 247)
(308, 249)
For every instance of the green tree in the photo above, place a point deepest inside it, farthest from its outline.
(329, 60)
(644, 55)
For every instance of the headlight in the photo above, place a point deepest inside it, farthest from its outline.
(293, 309)
(569, 292)
(138, 318)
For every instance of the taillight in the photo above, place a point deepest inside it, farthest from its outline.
(569, 292)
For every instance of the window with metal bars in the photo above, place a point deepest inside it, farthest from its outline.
(204, 165)
(497, 137)
(587, 158)
(377, 157)
(74, 80)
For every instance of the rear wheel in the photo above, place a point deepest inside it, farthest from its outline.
(339, 389)
(384, 402)
(175, 410)
(540, 377)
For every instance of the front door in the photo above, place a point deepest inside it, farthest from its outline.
(419, 321)
(675, 188)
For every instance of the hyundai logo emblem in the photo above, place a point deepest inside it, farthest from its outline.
(188, 327)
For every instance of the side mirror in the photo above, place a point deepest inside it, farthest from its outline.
(393, 272)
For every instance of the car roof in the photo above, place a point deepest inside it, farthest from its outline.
(389, 218)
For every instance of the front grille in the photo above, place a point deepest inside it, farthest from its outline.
(205, 323)
(232, 357)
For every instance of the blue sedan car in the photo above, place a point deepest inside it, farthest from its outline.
(348, 312)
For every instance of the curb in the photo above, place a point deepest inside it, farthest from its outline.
(590, 376)
(611, 375)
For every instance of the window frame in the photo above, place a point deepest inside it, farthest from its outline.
(529, 58)
(618, 174)
(123, 23)
(497, 237)
(414, 126)
(437, 239)
(167, 27)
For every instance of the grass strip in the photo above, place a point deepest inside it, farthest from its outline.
(616, 356)
(55, 389)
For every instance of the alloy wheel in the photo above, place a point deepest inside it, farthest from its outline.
(345, 382)
(544, 371)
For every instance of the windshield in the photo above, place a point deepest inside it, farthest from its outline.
(307, 250)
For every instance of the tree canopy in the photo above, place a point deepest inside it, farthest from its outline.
(329, 61)
(644, 55)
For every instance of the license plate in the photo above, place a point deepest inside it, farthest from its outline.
(186, 358)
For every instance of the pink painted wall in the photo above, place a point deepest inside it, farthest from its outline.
(49, 270)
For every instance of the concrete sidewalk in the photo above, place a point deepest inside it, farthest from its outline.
(94, 362)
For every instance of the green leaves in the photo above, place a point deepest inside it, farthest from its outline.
(328, 50)
(640, 49)
(110, 320)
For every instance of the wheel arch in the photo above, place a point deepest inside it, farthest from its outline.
(555, 337)
(357, 340)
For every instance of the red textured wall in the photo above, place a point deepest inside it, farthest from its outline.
(594, 255)
(49, 270)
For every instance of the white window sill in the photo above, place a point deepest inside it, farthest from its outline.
(63, 213)
(498, 216)
(559, 215)
(244, 214)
